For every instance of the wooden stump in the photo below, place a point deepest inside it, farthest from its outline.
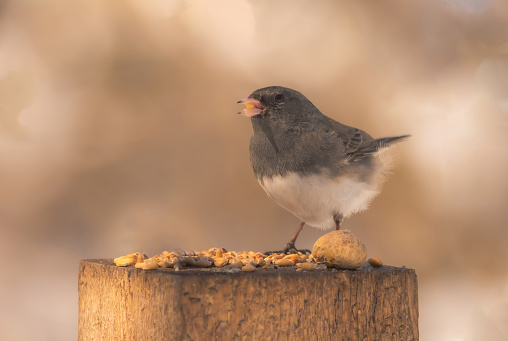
(131, 304)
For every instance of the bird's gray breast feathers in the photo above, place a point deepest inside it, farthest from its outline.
(305, 152)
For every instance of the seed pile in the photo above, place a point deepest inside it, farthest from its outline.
(220, 260)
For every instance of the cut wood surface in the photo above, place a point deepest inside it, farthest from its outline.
(118, 303)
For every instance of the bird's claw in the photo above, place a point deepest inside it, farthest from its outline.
(288, 250)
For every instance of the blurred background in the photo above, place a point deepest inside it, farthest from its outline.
(119, 133)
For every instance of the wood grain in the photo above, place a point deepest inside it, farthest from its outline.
(283, 304)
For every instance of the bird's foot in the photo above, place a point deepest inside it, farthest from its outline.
(288, 250)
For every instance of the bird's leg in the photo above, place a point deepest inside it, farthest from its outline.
(338, 221)
(291, 243)
(290, 246)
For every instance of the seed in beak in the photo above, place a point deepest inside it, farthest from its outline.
(252, 107)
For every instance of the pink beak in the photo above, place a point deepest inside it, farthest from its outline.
(253, 107)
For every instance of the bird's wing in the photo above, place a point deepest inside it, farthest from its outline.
(354, 140)
(358, 144)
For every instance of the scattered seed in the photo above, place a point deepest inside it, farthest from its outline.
(125, 261)
(169, 254)
(284, 262)
(151, 265)
(203, 263)
(163, 264)
(224, 261)
(220, 262)
(139, 257)
(260, 262)
(307, 266)
(237, 263)
(246, 261)
(248, 268)
(375, 262)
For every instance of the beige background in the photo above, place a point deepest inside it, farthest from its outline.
(119, 133)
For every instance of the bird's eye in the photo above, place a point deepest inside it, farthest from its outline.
(279, 98)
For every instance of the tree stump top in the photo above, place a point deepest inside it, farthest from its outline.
(213, 271)
(267, 304)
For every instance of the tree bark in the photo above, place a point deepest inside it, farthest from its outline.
(132, 304)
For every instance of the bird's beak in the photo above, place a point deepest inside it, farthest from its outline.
(253, 107)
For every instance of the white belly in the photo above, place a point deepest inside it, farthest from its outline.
(316, 199)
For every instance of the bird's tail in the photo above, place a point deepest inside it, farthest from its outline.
(386, 155)
(385, 142)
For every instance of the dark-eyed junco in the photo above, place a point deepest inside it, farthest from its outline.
(316, 168)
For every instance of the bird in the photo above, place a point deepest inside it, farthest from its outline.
(320, 170)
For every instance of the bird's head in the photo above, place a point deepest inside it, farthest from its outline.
(279, 104)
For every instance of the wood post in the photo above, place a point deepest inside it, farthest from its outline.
(132, 304)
